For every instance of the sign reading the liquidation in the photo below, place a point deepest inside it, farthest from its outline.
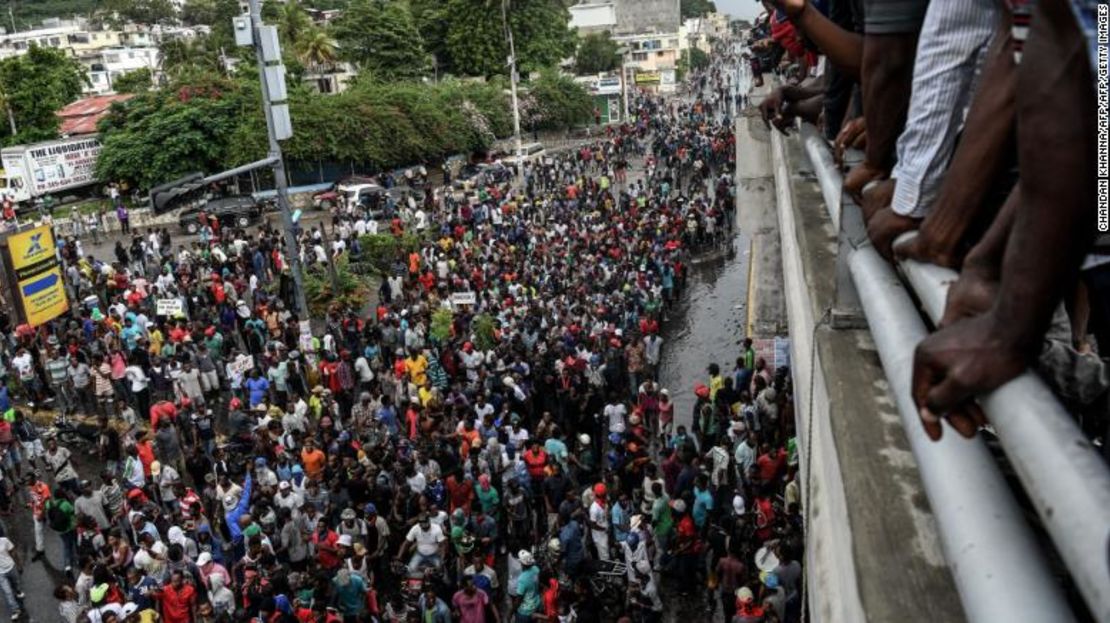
(37, 275)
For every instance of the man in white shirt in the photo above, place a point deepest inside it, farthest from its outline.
(614, 414)
(430, 543)
(10, 568)
(599, 522)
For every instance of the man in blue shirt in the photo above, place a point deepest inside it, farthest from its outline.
(570, 540)
(257, 387)
(350, 594)
(703, 501)
(387, 415)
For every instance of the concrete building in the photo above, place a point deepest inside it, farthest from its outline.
(105, 53)
(639, 16)
(648, 31)
(110, 63)
(329, 77)
(74, 37)
(623, 17)
(591, 17)
(700, 32)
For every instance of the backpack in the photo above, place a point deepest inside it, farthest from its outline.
(56, 517)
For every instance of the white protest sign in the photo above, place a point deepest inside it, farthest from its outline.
(464, 298)
(169, 307)
(242, 364)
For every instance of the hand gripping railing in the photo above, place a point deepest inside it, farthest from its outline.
(1062, 473)
(998, 568)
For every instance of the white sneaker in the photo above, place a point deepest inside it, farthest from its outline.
(16, 615)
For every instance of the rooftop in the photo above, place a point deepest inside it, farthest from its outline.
(81, 116)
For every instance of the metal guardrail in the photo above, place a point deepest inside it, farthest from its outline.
(995, 561)
(1064, 476)
(998, 569)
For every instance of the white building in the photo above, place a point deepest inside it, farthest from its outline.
(106, 54)
(74, 37)
(111, 63)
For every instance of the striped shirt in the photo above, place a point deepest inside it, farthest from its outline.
(58, 369)
(952, 47)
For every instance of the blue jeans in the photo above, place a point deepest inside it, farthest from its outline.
(9, 586)
(420, 561)
(69, 548)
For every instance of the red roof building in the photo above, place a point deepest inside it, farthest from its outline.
(81, 116)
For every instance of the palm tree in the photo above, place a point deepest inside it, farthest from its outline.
(293, 23)
(317, 48)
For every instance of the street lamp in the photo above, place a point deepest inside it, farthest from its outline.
(512, 82)
(249, 31)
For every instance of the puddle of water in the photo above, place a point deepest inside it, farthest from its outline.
(705, 326)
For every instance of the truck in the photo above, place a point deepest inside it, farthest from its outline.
(50, 167)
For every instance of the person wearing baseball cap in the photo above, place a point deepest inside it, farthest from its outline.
(645, 592)
(527, 600)
(746, 609)
(686, 546)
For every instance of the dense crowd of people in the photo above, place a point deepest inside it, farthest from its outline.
(977, 122)
(507, 454)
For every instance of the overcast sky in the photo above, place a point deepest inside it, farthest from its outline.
(740, 8)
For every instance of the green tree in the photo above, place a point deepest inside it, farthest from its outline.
(164, 134)
(597, 52)
(431, 19)
(293, 23)
(28, 15)
(199, 56)
(693, 58)
(317, 47)
(477, 45)
(137, 81)
(207, 123)
(380, 36)
(34, 86)
(216, 14)
(697, 8)
(145, 12)
(554, 101)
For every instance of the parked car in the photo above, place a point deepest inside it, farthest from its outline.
(475, 175)
(372, 196)
(240, 211)
(530, 152)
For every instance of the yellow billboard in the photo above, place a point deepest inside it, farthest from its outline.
(38, 277)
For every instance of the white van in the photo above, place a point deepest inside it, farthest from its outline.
(530, 152)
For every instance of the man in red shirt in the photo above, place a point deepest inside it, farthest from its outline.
(38, 492)
(460, 492)
(327, 548)
(535, 459)
(687, 546)
(179, 600)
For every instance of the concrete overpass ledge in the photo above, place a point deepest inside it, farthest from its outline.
(873, 550)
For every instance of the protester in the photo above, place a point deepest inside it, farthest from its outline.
(493, 423)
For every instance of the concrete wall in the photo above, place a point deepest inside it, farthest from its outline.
(593, 17)
(872, 549)
(648, 16)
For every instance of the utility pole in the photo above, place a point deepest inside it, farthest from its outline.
(624, 80)
(292, 250)
(512, 82)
